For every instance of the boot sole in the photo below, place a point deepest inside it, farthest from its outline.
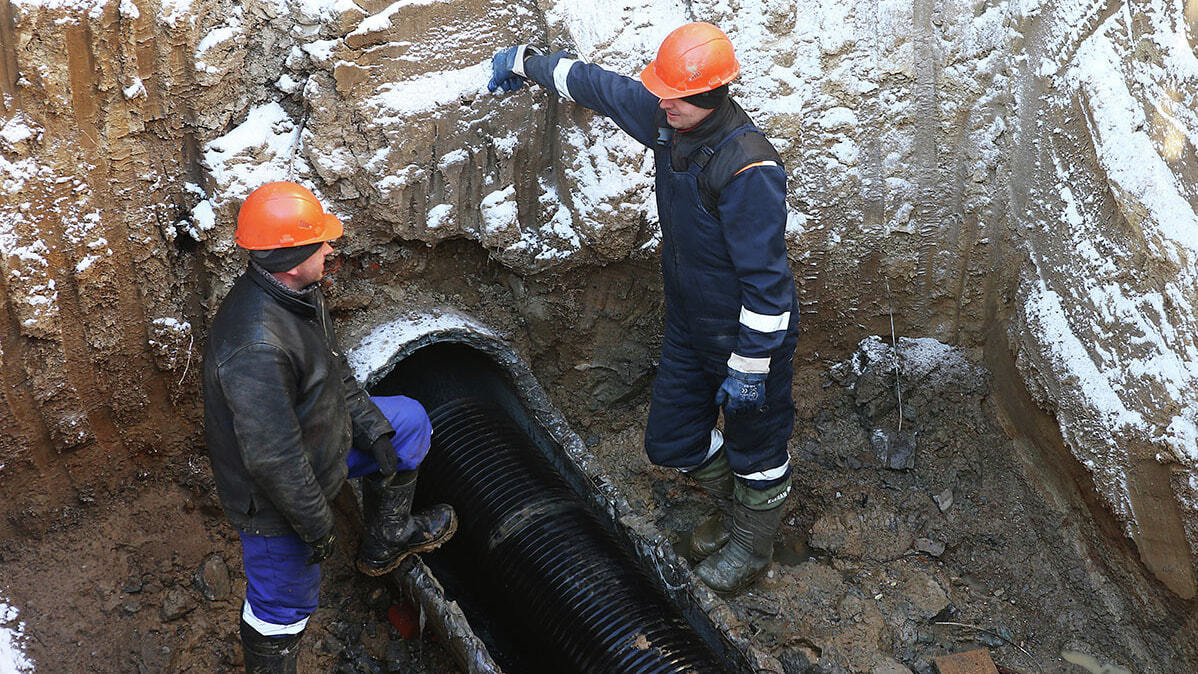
(742, 586)
(372, 570)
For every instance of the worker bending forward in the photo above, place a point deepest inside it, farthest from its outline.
(731, 314)
(286, 423)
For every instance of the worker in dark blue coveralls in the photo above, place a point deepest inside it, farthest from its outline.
(286, 423)
(731, 315)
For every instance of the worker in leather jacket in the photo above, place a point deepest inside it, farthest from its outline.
(731, 308)
(286, 423)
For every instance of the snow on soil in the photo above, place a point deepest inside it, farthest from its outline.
(376, 348)
(12, 634)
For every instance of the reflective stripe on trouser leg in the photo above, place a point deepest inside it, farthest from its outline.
(755, 442)
(713, 452)
(281, 589)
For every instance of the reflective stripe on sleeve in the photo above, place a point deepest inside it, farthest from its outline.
(764, 322)
(749, 365)
(518, 66)
(560, 71)
(767, 162)
(270, 629)
(771, 474)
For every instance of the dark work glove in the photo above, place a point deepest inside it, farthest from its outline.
(506, 73)
(322, 549)
(742, 392)
(384, 455)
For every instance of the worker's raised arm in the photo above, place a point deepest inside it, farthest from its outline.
(622, 99)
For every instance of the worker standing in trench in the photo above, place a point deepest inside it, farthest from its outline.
(286, 423)
(731, 318)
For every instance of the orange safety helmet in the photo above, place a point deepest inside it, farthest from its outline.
(284, 215)
(693, 58)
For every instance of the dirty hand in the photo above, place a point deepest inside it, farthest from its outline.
(742, 392)
(384, 455)
(507, 67)
(322, 549)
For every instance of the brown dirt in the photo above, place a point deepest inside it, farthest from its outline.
(114, 587)
(876, 570)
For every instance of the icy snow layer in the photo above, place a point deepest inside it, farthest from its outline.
(375, 350)
(12, 655)
(1110, 307)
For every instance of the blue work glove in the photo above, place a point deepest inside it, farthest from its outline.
(383, 453)
(507, 67)
(503, 73)
(742, 392)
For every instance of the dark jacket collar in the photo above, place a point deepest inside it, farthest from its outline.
(302, 302)
(709, 132)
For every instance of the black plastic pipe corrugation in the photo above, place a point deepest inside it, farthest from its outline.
(562, 593)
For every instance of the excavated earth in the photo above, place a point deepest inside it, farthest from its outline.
(1004, 191)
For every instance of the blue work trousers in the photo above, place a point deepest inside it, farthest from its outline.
(282, 589)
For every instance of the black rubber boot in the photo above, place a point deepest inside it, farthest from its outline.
(750, 548)
(392, 531)
(715, 479)
(269, 655)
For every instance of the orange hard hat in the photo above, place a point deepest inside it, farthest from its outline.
(284, 215)
(693, 58)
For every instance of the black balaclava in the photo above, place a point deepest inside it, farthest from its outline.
(276, 260)
(708, 100)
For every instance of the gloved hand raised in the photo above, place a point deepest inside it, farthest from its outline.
(507, 67)
(384, 455)
(742, 392)
(322, 549)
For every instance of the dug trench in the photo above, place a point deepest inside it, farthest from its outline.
(981, 537)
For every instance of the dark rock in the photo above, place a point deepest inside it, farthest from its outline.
(177, 603)
(930, 547)
(132, 585)
(894, 448)
(212, 578)
(802, 660)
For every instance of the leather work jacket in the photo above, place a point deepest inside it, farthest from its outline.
(281, 409)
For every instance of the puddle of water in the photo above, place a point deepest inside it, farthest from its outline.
(792, 551)
(1091, 664)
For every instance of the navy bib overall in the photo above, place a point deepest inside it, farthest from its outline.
(703, 302)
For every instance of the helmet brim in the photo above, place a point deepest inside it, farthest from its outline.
(333, 229)
(657, 86)
(660, 89)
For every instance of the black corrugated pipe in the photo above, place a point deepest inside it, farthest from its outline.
(561, 593)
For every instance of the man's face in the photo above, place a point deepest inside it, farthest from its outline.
(682, 115)
(311, 270)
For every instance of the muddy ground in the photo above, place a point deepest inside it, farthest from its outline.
(887, 558)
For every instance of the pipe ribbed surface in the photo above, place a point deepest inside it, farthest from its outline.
(579, 599)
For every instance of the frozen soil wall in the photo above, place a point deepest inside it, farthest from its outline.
(1013, 178)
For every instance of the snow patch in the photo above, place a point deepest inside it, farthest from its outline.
(376, 349)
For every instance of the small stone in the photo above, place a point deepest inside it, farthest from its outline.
(177, 603)
(131, 607)
(132, 585)
(212, 578)
(944, 499)
(929, 547)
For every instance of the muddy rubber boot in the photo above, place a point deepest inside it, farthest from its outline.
(715, 479)
(392, 531)
(269, 655)
(750, 548)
